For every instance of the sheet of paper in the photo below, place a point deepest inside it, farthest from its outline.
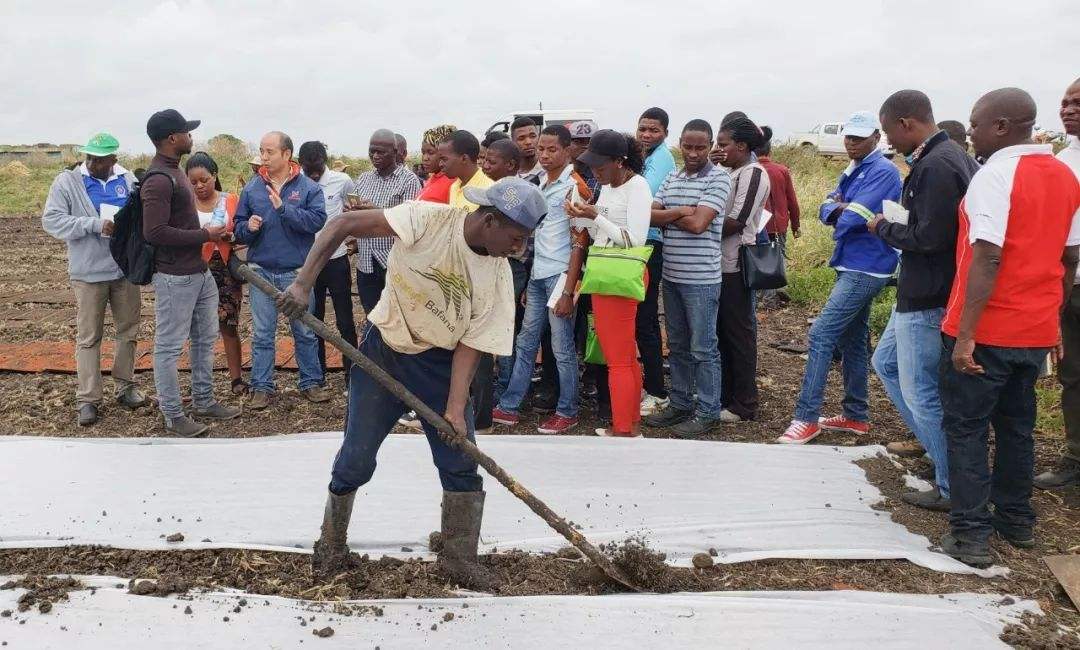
(108, 211)
(894, 212)
(556, 293)
(766, 216)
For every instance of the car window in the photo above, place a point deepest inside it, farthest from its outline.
(815, 129)
(832, 129)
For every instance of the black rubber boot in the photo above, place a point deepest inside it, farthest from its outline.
(462, 513)
(331, 554)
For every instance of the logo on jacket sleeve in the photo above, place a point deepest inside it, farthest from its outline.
(294, 195)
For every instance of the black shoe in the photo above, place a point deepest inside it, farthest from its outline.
(88, 415)
(928, 499)
(1018, 539)
(668, 416)
(970, 553)
(1065, 474)
(544, 402)
(696, 427)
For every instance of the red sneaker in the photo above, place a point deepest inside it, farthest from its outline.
(502, 417)
(841, 423)
(556, 424)
(799, 433)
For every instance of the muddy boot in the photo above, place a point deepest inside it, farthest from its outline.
(331, 554)
(462, 513)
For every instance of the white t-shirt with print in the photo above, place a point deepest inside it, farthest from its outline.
(439, 292)
(626, 209)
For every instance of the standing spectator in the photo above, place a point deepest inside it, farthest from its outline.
(279, 214)
(864, 265)
(489, 138)
(621, 216)
(402, 147)
(185, 294)
(217, 207)
(1068, 470)
(743, 220)
(336, 277)
(1002, 320)
(74, 213)
(553, 257)
(458, 155)
(957, 132)
(387, 185)
(437, 186)
(908, 353)
(782, 202)
(690, 206)
(652, 132)
(501, 160)
(525, 133)
(581, 133)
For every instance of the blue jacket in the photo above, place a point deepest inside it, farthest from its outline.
(287, 233)
(863, 187)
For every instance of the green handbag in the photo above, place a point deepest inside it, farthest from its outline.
(593, 353)
(613, 271)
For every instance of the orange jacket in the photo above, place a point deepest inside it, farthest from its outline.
(224, 247)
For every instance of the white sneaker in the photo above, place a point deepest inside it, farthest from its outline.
(651, 404)
(727, 417)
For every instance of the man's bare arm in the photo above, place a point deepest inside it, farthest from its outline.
(360, 223)
(985, 262)
(462, 369)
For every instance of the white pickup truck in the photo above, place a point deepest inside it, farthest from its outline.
(547, 117)
(828, 140)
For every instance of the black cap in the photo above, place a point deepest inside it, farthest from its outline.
(605, 145)
(167, 122)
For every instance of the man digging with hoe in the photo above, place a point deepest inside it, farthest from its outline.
(448, 299)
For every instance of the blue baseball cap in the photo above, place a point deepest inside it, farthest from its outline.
(862, 124)
(517, 198)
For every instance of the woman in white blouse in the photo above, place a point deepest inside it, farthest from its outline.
(621, 216)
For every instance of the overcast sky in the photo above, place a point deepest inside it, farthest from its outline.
(336, 70)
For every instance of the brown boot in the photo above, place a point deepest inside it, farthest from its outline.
(462, 513)
(331, 554)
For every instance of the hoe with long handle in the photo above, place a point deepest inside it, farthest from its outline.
(447, 432)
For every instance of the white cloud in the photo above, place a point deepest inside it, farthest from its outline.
(337, 70)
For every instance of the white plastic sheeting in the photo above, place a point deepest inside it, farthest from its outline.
(746, 501)
(112, 618)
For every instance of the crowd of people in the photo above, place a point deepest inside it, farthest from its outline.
(600, 227)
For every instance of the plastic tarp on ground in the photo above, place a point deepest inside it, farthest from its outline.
(746, 501)
(112, 618)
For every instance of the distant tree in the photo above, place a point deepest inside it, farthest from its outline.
(229, 147)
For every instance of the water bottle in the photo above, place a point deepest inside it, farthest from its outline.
(218, 218)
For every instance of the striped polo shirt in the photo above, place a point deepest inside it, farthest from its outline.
(690, 258)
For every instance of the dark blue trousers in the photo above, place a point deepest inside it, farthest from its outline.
(373, 411)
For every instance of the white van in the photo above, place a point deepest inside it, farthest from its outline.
(544, 117)
(828, 140)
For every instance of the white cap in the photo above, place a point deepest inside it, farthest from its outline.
(862, 124)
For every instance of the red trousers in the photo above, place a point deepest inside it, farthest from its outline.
(614, 318)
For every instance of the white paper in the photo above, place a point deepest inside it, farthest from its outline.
(894, 212)
(766, 216)
(269, 493)
(556, 293)
(111, 618)
(108, 211)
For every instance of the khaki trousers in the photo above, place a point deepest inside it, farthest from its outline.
(91, 299)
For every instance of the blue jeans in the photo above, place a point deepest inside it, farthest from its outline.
(373, 412)
(844, 324)
(1002, 397)
(264, 315)
(537, 315)
(520, 271)
(185, 307)
(906, 360)
(690, 311)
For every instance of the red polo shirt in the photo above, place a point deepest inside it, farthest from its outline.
(1028, 203)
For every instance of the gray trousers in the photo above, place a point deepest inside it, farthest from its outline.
(91, 300)
(185, 307)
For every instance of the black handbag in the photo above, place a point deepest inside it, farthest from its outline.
(763, 265)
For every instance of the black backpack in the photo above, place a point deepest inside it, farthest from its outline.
(129, 248)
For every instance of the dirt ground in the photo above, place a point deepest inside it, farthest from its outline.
(36, 305)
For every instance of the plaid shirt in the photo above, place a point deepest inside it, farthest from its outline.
(400, 186)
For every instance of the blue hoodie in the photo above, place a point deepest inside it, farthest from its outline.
(864, 186)
(287, 233)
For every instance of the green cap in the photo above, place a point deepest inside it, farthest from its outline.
(100, 145)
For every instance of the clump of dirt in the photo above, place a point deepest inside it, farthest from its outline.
(1036, 632)
(161, 587)
(324, 633)
(42, 591)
